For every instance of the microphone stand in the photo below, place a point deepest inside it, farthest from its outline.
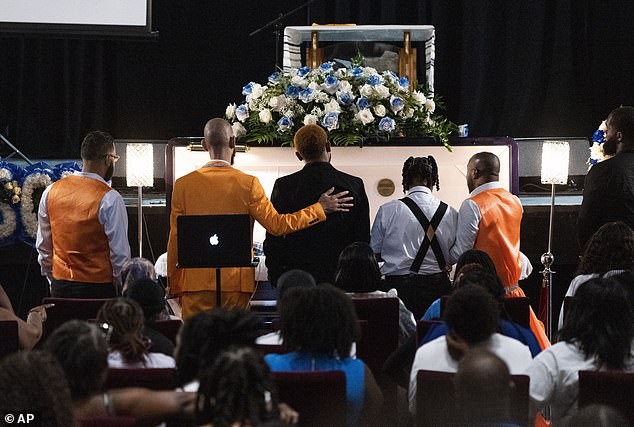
(277, 24)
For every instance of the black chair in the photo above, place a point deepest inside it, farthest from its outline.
(513, 309)
(612, 388)
(66, 309)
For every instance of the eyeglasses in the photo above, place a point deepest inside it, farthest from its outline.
(115, 157)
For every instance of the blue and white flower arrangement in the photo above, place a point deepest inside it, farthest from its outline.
(350, 103)
(596, 149)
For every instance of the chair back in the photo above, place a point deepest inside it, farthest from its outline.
(66, 309)
(9, 340)
(422, 327)
(318, 396)
(152, 378)
(169, 328)
(612, 388)
(514, 309)
(436, 403)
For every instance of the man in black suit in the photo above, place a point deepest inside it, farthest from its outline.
(608, 193)
(315, 250)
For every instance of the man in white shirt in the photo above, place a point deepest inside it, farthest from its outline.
(472, 319)
(413, 237)
(82, 235)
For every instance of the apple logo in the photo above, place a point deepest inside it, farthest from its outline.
(214, 240)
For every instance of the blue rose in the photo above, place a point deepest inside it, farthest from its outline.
(303, 71)
(403, 82)
(396, 104)
(357, 72)
(326, 67)
(331, 121)
(599, 136)
(274, 77)
(363, 103)
(344, 98)
(331, 84)
(242, 112)
(375, 80)
(293, 91)
(387, 124)
(306, 95)
(246, 90)
(284, 124)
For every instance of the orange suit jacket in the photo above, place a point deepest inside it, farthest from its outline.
(221, 189)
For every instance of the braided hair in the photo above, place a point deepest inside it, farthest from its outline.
(126, 318)
(420, 169)
(236, 388)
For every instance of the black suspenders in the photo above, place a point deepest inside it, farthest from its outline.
(429, 239)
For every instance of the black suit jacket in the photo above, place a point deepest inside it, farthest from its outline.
(608, 195)
(316, 249)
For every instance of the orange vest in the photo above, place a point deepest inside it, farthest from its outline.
(499, 232)
(81, 252)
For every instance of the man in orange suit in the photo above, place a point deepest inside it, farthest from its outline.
(489, 220)
(218, 188)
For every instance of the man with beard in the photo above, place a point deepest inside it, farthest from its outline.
(217, 188)
(608, 193)
(82, 234)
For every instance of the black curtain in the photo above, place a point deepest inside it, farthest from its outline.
(521, 68)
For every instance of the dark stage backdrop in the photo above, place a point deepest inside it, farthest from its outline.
(518, 68)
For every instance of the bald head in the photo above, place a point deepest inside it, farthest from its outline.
(483, 385)
(482, 168)
(219, 140)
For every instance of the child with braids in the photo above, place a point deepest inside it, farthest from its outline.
(413, 237)
(127, 345)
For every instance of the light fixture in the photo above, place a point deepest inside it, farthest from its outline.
(140, 173)
(555, 159)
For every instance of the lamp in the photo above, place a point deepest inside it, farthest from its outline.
(555, 159)
(140, 173)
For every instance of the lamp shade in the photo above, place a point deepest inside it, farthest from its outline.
(139, 165)
(555, 159)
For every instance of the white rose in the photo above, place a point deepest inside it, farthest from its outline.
(430, 105)
(277, 102)
(238, 129)
(419, 97)
(345, 86)
(230, 112)
(256, 92)
(382, 91)
(407, 113)
(310, 119)
(380, 110)
(368, 71)
(366, 90)
(265, 116)
(332, 107)
(364, 116)
(603, 126)
(298, 81)
(313, 85)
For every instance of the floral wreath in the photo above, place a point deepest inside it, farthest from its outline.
(36, 178)
(596, 149)
(10, 196)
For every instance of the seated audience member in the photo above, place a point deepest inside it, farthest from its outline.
(417, 270)
(29, 332)
(150, 295)
(136, 269)
(610, 251)
(597, 416)
(205, 335)
(288, 280)
(472, 274)
(319, 325)
(32, 382)
(128, 346)
(483, 389)
(82, 351)
(472, 256)
(358, 274)
(472, 320)
(597, 334)
(237, 390)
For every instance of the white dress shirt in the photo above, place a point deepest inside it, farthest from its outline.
(397, 234)
(112, 215)
(434, 356)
